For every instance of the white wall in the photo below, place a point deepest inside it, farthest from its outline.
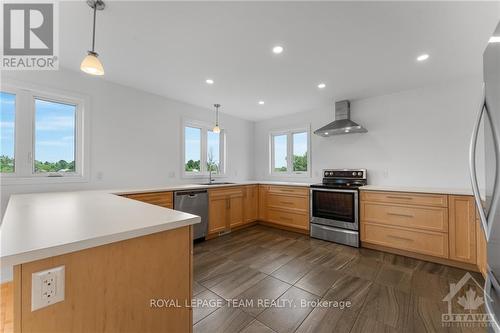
(415, 138)
(134, 136)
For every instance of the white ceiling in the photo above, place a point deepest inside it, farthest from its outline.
(358, 49)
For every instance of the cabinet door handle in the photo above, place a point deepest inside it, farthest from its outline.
(286, 218)
(399, 197)
(286, 202)
(401, 238)
(403, 215)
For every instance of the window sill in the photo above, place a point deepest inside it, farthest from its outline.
(13, 180)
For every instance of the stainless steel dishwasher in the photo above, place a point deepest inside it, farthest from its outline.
(194, 202)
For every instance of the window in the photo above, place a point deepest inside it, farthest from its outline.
(7, 132)
(289, 152)
(55, 126)
(41, 137)
(203, 150)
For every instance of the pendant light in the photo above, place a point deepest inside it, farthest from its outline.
(91, 63)
(216, 128)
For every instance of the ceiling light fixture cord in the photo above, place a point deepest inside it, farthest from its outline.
(93, 27)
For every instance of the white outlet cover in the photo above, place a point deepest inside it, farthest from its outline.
(47, 287)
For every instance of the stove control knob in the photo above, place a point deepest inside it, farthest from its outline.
(360, 174)
(354, 173)
(326, 173)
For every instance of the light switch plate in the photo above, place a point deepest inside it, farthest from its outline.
(47, 287)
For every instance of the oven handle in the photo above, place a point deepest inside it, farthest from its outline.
(333, 190)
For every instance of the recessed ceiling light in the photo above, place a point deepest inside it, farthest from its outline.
(209, 81)
(321, 85)
(277, 49)
(326, 133)
(494, 39)
(422, 57)
(261, 102)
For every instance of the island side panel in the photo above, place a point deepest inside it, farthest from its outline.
(109, 288)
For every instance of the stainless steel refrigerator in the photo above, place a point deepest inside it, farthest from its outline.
(487, 200)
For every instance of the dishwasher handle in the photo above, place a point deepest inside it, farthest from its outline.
(190, 194)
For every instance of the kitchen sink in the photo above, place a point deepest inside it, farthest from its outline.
(217, 183)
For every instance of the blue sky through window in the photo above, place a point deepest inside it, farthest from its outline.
(213, 145)
(300, 143)
(54, 131)
(280, 151)
(7, 121)
(193, 144)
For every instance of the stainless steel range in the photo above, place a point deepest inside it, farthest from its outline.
(334, 214)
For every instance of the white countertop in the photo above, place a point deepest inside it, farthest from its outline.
(453, 191)
(42, 225)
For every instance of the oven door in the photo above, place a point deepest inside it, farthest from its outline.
(335, 208)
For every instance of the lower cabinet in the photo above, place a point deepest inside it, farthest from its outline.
(433, 225)
(286, 206)
(482, 259)
(225, 209)
(250, 203)
(163, 199)
(462, 229)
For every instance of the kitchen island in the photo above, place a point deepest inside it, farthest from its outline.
(118, 255)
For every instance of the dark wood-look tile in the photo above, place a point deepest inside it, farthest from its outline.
(328, 320)
(364, 268)
(337, 261)
(290, 316)
(364, 324)
(271, 262)
(318, 280)
(261, 294)
(386, 305)
(257, 327)
(349, 288)
(225, 319)
(204, 304)
(432, 286)
(400, 261)
(395, 276)
(293, 270)
(237, 282)
(425, 315)
(197, 288)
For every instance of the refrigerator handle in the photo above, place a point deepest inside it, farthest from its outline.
(491, 282)
(472, 166)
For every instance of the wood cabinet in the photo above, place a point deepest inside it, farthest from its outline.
(434, 227)
(250, 203)
(225, 209)
(163, 199)
(462, 228)
(263, 191)
(481, 252)
(286, 206)
(406, 221)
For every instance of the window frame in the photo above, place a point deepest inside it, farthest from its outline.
(205, 128)
(289, 158)
(24, 151)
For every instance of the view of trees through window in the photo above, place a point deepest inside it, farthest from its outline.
(299, 143)
(7, 135)
(55, 125)
(195, 148)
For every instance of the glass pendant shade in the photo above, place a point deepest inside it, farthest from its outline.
(216, 129)
(92, 65)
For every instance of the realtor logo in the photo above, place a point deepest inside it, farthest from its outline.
(466, 304)
(29, 36)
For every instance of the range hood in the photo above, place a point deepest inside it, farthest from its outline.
(342, 123)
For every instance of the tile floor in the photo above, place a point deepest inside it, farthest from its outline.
(272, 277)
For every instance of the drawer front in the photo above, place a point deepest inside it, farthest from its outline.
(230, 192)
(424, 242)
(406, 198)
(294, 220)
(163, 199)
(429, 218)
(290, 190)
(288, 202)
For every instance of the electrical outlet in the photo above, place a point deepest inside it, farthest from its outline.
(47, 287)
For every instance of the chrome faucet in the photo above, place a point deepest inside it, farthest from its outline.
(210, 179)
